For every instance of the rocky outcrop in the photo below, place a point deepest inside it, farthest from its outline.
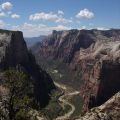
(100, 65)
(14, 53)
(108, 111)
(13, 50)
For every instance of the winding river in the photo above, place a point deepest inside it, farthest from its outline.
(65, 102)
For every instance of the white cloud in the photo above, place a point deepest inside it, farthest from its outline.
(7, 6)
(2, 24)
(60, 12)
(85, 13)
(15, 16)
(60, 27)
(31, 30)
(83, 27)
(2, 14)
(102, 28)
(49, 17)
(63, 20)
(42, 27)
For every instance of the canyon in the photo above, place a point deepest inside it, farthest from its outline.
(91, 56)
(93, 53)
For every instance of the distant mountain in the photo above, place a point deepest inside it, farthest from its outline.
(33, 40)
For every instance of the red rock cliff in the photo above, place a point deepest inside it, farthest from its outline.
(95, 53)
(100, 66)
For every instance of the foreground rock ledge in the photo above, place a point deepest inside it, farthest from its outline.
(110, 110)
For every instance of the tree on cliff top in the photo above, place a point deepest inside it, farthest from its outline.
(17, 102)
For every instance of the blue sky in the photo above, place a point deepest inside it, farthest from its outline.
(39, 17)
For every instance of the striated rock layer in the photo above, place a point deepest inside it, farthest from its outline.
(100, 64)
(14, 53)
(95, 53)
(63, 45)
(108, 111)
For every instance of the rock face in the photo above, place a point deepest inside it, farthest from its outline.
(101, 72)
(95, 53)
(63, 45)
(13, 53)
(13, 50)
(108, 111)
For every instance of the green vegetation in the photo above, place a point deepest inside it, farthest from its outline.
(77, 102)
(17, 100)
(54, 109)
(63, 75)
(5, 31)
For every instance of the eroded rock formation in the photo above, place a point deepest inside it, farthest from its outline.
(108, 111)
(95, 53)
(63, 45)
(14, 53)
(101, 72)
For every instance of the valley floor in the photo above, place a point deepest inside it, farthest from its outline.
(65, 99)
(68, 93)
(66, 103)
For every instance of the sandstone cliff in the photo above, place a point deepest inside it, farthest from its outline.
(14, 53)
(100, 65)
(63, 45)
(95, 53)
(108, 111)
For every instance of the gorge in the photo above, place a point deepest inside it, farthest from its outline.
(95, 54)
(87, 62)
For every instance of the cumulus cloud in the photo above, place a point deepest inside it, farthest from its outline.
(49, 17)
(2, 14)
(5, 11)
(2, 24)
(60, 27)
(7, 6)
(85, 13)
(60, 12)
(31, 30)
(15, 16)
